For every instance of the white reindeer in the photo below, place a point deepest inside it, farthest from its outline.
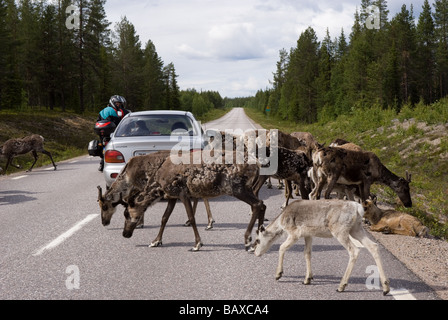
(325, 219)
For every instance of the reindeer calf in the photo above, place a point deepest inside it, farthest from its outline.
(15, 147)
(394, 222)
(325, 219)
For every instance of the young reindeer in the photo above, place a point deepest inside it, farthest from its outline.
(320, 218)
(15, 147)
(393, 222)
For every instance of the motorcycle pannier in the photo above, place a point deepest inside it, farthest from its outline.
(104, 127)
(95, 148)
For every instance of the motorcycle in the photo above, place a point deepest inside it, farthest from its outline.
(103, 128)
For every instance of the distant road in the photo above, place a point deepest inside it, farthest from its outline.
(54, 247)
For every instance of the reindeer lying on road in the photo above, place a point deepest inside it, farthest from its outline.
(15, 147)
(394, 222)
(323, 218)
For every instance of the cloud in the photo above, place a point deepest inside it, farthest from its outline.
(232, 46)
(232, 41)
(236, 41)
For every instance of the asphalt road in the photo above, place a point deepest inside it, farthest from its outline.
(53, 246)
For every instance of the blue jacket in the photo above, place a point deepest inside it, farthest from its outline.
(108, 112)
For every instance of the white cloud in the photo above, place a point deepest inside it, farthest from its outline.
(231, 46)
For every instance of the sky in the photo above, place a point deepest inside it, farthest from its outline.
(232, 46)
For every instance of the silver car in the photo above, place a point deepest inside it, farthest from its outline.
(145, 132)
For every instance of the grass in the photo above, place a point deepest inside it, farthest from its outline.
(414, 140)
(66, 134)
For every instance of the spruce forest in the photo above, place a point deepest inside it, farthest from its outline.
(54, 58)
(403, 62)
(45, 63)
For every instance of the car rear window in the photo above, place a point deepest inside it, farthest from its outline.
(155, 125)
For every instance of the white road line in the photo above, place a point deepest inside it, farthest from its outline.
(53, 244)
(401, 294)
(18, 178)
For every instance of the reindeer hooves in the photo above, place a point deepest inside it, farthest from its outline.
(248, 244)
(307, 281)
(155, 244)
(197, 247)
(278, 276)
(341, 288)
(210, 226)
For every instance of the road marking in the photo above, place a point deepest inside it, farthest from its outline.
(18, 178)
(53, 244)
(401, 294)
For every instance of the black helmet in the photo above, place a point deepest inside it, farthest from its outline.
(117, 99)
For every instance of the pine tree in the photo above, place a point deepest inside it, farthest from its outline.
(441, 29)
(426, 47)
(279, 80)
(153, 78)
(128, 64)
(358, 58)
(304, 68)
(97, 47)
(12, 89)
(402, 35)
(172, 94)
(338, 87)
(47, 82)
(323, 82)
(5, 40)
(30, 53)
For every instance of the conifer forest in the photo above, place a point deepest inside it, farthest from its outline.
(53, 57)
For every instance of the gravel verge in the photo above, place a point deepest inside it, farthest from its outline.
(427, 258)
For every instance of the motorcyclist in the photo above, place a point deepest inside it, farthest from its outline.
(115, 112)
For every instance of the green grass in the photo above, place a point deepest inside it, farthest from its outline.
(66, 134)
(402, 145)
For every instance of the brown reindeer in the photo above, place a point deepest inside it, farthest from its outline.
(293, 166)
(337, 165)
(186, 180)
(15, 147)
(131, 182)
(393, 222)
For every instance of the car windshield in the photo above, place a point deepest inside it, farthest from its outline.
(155, 125)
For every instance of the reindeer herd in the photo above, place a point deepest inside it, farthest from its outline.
(342, 167)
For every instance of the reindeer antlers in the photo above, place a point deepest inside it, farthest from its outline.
(408, 176)
(100, 193)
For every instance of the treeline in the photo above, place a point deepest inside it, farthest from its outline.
(65, 54)
(399, 63)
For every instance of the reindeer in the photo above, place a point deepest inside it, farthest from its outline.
(186, 180)
(292, 167)
(393, 222)
(131, 181)
(337, 165)
(15, 147)
(293, 163)
(324, 218)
